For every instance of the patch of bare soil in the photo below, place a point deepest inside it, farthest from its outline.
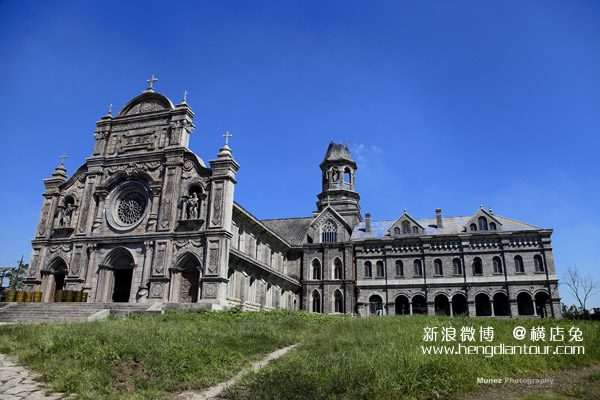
(510, 391)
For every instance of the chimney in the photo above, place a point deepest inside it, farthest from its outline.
(438, 218)
(368, 222)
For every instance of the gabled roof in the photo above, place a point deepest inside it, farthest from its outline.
(334, 214)
(452, 226)
(293, 230)
(478, 214)
(403, 217)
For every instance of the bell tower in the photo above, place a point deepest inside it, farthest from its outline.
(338, 190)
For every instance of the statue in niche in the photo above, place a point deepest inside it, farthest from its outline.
(335, 175)
(67, 214)
(192, 206)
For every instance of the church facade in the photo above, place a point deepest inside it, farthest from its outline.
(145, 220)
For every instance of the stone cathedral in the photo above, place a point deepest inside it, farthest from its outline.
(145, 220)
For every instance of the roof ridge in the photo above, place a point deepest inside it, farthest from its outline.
(516, 220)
(281, 219)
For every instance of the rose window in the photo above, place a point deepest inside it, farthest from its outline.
(131, 208)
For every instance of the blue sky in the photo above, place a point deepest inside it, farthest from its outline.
(443, 104)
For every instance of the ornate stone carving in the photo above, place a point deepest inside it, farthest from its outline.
(213, 256)
(33, 263)
(87, 200)
(159, 260)
(75, 263)
(147, 106)
(157, 290)
(218, 205)
(210, 290)
(44, 217)
(167, 199)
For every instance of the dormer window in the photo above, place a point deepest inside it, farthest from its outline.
(482, 224)
(396, 231)
(473, 228)
(405, 228)
(415, 230)
(493, 226)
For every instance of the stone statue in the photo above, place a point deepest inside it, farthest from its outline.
(67, 214)
(192, 206)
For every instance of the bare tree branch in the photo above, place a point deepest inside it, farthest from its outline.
(581, 287)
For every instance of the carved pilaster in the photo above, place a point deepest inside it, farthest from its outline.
(101, 194)
(155, 189)
(86, 201)
(167, 199)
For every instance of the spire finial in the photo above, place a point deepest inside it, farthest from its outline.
(151, 81)
(185, 96)
(404, 209)
(491, 208)
(227, 136)
(480, 204)
(62, 161)
(110, 109)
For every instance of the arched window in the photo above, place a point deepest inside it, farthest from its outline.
(418, 268)
(316, 269)
(492, 226)
(347, 175)
(457, 266)
(415, 230)
(316, 302)
(380, 270)
(405, 227)
(337, 269)
(399, 268)
(473, 227)
(438, 270)
(519, 268)
(482, 224)
(497, 265)
(338, 302)
(396, 231)
(329, 232)
(368, 270)
(477, 266)
(539, 266)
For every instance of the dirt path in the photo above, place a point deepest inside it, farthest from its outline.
(214, 391)
(561, 381)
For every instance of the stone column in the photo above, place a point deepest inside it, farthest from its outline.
(451, 310)
(101, 193)
(410, 306)
(492, 308)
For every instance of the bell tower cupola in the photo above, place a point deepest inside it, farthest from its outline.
(338, 187)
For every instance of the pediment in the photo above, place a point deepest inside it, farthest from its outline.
(412, 224)
(146, 103)
(330, 214)
(489, 219)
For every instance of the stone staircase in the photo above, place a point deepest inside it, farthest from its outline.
(69, 312)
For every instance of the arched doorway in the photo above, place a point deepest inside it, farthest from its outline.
(501, 305)
(525, 304)
(542, 305)
(54, 278)
(419, 304)
(189, 267)
(483, 307)
(442, 306)
(402, 306)
(375, 305)
(122, 266)
(459, 305)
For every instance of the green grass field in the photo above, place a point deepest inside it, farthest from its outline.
(340, 357)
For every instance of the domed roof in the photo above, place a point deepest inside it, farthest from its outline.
(338, 152)
(147, 102)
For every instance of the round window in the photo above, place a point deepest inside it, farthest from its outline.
(127, 205)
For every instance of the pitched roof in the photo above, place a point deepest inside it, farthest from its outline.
(337, 152)
(293, 230)
(452, 226)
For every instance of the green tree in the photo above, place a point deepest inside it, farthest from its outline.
(16, 277)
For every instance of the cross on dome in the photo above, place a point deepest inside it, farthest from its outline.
(151, 81)
(227, 136)
(63, 158)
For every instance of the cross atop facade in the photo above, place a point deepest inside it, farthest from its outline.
(151, 81)
(185, 96)
(227, 136)
(63, 158)
(110, 109)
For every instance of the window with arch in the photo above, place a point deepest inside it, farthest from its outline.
(539, 265)
(347, 175)
(437, 266)
(477, 266)
(316, 269)
(473, 227)
(368, 270)
(497, 265)
(519, 268)
(405, 227)
(380, 269)
(493, 226)
(418, 268)
(337, 269)
(457, 266)
(338, 302)
(396, 231)
(399, 268)
(316, 302)
(483, 226)
(415, 230)
(329, 232)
